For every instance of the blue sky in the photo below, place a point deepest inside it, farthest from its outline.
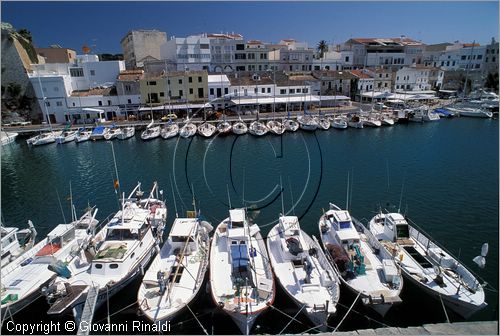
(103, 24)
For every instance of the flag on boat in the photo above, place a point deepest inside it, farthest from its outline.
(191, 214)
(116, 184)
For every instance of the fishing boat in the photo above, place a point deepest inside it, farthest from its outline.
(275, 127)
(241, 279)
(355, 121)
(117, 255)
(224, 127)
(151, 133)
(307, 122)
(82, 135)
(42, 139)
(206, 129)
(188, 130)
(60, 251)
(65, 136)
(170, 130)
(355, 254)
(176, 275)
(339, 123)
(240, 127)
(112, 133)
(257, 128)
(7, 137)
(15, 242)
(428, 265)
(126, 133)
(302, 269)
(291, 125)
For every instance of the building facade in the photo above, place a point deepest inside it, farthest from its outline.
(56, 54)
(188, 53)
(141, 45)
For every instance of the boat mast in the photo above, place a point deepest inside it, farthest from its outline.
(468, 69)
(43, 99)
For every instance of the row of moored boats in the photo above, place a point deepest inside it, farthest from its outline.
(78, 267)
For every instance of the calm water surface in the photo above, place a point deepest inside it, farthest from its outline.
(444, 175)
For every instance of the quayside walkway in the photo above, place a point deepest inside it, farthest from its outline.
(457, 328)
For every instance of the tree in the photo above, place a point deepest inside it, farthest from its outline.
(322, 48)
(14, 90)
(26, 34)
(492, 81)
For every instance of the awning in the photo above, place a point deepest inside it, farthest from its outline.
(174, 107)
(88, 109)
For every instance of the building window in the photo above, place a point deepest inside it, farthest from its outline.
(129, 101)
(211, 91)
(226, 90)
(76, 72)
(58, 103)
(204, 46)
(263, 90)
(180, 81)
(347, 59)
(56, 89)
(152, 83)
(190, 79)
(191, 91)
(74, 104)
(200, 79)
(109, 102)
(268, 90)
(180, 93)
(292, 91)
(162, 94)
(100, 103)
(92, 72)
(240, 47)
(255, 90)
(479, 57)
(463, 57)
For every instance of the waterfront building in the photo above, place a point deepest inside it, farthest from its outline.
(253, 58)
(364, 82)
(57, 54)
(142, 45)
(187, 53)
(335, 82)
(129, 91)
(334, 60)
(290, 55)
(218, 90)
(396, 52)
(418, 78)
(383, 78)
(491, 58)
(55, 84)
(223, 49)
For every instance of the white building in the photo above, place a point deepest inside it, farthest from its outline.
(56, 83)
(191, 53)
(468, 57)
(222, 50)
(415, 78)
(141, 45)
(334, 60)
(365, 81)
(218, 87)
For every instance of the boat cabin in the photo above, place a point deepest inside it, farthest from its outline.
(396, 228)
(291, 244)
(345, 232)
(10, 243)
(183, 234)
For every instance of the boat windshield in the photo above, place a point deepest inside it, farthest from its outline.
(122, 234)
(402, 231)
(344, 224)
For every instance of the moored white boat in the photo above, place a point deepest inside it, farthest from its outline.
(82, 135)
(240, 127)
(175, 276)
(224, 127)
(323, 123)
(275, 127)
(7, 137)
(291, 125)
(188, 130)
(307, 122)
(339, 123)
(42, 139)
(15, 242)
(241, 279)
(21, 282)
(65, 136)
(116, 256)
(355, 122)
(99, 132)
(370, 121)
(302, 269)
(170, 130)
(357, 257)
(427, 265)
(112, 133)
(257, 128)
(471, 112)
(151, 133)
(126, 133)
(206, 129)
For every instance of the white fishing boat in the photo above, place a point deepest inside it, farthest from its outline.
(83, 135)
(241, 279)
(355, 122)
(357, 257)
(151, 133)
(60, 251)
(113, 133)
(170, 130)
(99, 132)
(427, 265)
(257, 128)
(188, 130)
(339, 123)
(126, 133)
(302, 269)
(42, 139)
(275, 127)
(206, 129)
(117, 255)
(240, 127)
(323, 123)
(175, 276)
(7, 137)
(224, 127)
(65, 136)
(307, 123)
(15, 242)
(291, 125)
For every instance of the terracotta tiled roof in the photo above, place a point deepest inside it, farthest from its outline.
(109, 91)
(254, 42)
(130, 75)
(359, 74)
(332, 74)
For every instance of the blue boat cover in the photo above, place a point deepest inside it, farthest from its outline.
(239, 256)
(98, 130)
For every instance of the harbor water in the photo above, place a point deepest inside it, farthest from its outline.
(443, 175)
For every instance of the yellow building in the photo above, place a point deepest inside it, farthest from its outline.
(179, 86)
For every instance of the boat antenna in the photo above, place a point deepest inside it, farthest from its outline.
(73, 211)
(229, 198)
(347, 196)
(387, 168)
(173, 197)
(291, 195)
(282, 201)
(194, 201)
(116, 183)
(60, 206)
(401, 195)
(243, 196)
(352, 183)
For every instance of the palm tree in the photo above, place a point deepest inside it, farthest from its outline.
(322, 48)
